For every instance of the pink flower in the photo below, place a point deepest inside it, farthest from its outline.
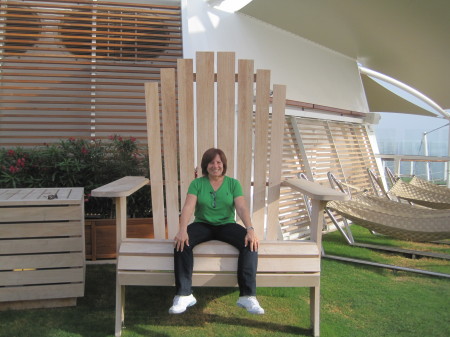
(72, 139)
(13, 169)
(84, 150)
(133, 139)
(11, 153)
(20, 162)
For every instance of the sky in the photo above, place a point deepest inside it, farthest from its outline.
(402, 134)
(399, 133)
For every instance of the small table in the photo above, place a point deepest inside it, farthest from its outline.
(42, 250)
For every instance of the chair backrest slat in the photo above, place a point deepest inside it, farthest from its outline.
(256, 161)
(276, 158)
(260, 148)
(246, 78)
(170, 148)
(226, 106)
(186, 117)
(155, 160)
(205, 102)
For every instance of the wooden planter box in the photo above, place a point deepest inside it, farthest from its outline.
(101, 235)
(42, 261)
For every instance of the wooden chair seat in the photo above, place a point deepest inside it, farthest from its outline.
(150, 262)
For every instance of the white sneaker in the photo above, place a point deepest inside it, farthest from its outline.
(251, 304)
(181, 303)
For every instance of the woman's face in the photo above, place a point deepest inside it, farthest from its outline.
(215, 167)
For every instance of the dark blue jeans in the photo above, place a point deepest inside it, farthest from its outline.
(233, 234)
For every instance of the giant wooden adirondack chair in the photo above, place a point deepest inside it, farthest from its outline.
(249, 128)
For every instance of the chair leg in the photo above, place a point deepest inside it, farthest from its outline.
(315, 309)
(120, 308)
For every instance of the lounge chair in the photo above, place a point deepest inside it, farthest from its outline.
(398, 220)
(417, 191)
(421, 194)
(416, 181)
(383, 216)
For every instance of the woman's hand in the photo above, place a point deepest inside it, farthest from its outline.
(242, 210)
(181, 239)
(252, 240)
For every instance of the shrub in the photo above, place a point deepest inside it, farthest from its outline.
(80, 163)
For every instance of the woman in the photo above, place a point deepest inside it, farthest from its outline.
(215, 197)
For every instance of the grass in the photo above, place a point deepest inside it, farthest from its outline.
(334, 244)
(356, 301)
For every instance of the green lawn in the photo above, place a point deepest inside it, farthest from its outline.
(334, 244)
(356, 301)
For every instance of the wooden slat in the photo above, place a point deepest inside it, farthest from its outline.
(226, 106)
(276, 142)
(113, 5)
(261, 142)
(32, 196)
(186, 124)
(122, 187)
(225, 280)
(41, 261)
(83, 11)
(28, 246)
(53, 276)
(42, 292)
(40, 214)
(267, 248)
(217, 263)
(34, 229)
(245, 120)
(155, 161)
(205, 102)
(39, 304)
(170, 149)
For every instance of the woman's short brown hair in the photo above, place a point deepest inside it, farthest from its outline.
(209, 156)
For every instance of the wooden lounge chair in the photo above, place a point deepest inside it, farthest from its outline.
(249, 129)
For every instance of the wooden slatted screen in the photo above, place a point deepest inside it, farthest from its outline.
(315, 147)
(340, 147)
(77, 68)
(293, 217)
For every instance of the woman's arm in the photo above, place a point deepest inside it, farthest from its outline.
(244, 214)
(182, 237)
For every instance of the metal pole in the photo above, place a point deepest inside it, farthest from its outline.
(448, 163)
(425, 153)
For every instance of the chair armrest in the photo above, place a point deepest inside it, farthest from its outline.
(122, 187)
(315, 190)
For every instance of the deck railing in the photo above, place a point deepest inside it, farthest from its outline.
(397, 159)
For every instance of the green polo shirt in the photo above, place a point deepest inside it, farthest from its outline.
(215, 208)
